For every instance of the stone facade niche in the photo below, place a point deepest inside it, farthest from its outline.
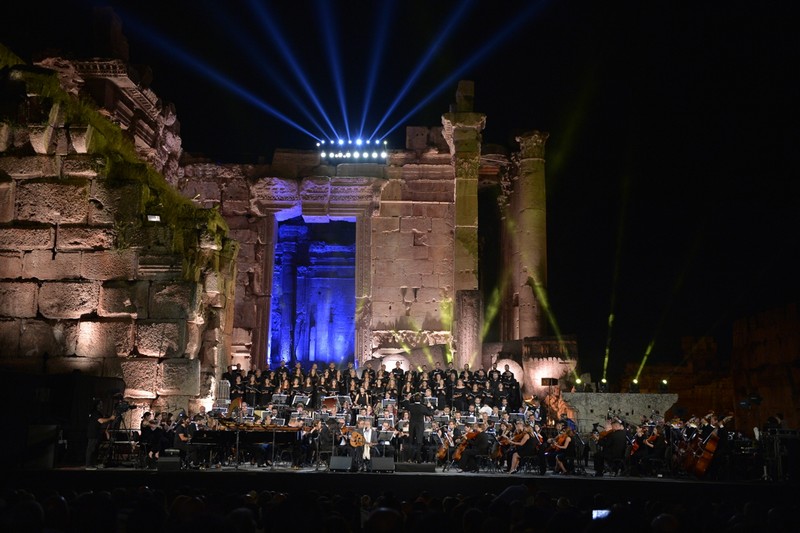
(105, 268)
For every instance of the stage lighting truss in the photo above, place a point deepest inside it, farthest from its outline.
(353, 151)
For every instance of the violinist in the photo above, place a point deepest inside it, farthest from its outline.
(638, 449)
(524, 445)
(477, 443)
(565, 449)
(655, 447)
(614, 443)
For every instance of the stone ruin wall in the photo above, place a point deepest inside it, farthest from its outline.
(86, 284)
(404, 237)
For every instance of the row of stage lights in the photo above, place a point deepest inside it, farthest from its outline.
(362, 151)
(633, 387)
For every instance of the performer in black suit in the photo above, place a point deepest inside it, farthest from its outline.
(614, 445)
(93, 433)
(478, 445)
(416, 431)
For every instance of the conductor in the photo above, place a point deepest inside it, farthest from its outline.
(416, 425)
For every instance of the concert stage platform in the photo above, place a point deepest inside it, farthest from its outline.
(406, 485)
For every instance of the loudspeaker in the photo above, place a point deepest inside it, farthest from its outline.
(340, 463)
(414, 467)
(169, 464)
(382, 464)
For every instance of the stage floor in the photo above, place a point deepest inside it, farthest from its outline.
(403, 484)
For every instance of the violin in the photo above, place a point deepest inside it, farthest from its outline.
(559, 441)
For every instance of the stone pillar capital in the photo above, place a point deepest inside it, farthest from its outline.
(531, 144)
(462, 131)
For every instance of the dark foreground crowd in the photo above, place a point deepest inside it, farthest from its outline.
(519, 508)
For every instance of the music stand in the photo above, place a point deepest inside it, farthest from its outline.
(278, 421)
(343, 400)
(364, 417)
(279, 399)
(300, 398)
(470, 419)
(441, 419)
(431, 400)
(388, 401)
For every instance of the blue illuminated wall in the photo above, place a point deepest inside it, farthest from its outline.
(313, 297)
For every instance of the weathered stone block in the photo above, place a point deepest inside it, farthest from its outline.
(84, 238)
(37, 339)
(105, 338)
(18, 299)
(88, 166)
(172, 300)
(68, 299)
(18, 239)
(9, 338)
(10, 265)
(45, 265)
(124, 298)
(28, 167)
(385, 224)
(107, 203)
(140, 375)
(245, 313)
(53, 202)
(159, 338)
(6, 201)
(415, 224)
(179, 377)
(107, 265)
(396, 209)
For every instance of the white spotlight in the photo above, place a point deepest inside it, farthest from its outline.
(355, 155)
(383, 155)
(341, 142)
(374, 155)
(365, 154)
(358, 142)
(349, 141)
(317, 144)
(324, 155)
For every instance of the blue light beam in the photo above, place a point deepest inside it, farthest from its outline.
(426, 59)
(328, 22)
(381, 32)
(275, 34)
(478, 56)
(209, 72)
(274, 77)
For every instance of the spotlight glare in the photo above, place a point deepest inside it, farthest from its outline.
(578, 381)
(365, 154)
(324, 155)
(664, 382)
(355, 155)
(341, 142)
(349, 141)
(368, 141)
(635, 381)
(374, 155)
(317, 145)
(603, 380)
(358, 142)
(383, 155)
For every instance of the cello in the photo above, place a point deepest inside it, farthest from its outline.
(464, 443)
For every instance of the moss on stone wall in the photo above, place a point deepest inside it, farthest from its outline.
(190, 224)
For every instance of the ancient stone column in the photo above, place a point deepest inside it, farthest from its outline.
(530, 246)
(462, 131)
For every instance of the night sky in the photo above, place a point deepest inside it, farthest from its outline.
(672, 159)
